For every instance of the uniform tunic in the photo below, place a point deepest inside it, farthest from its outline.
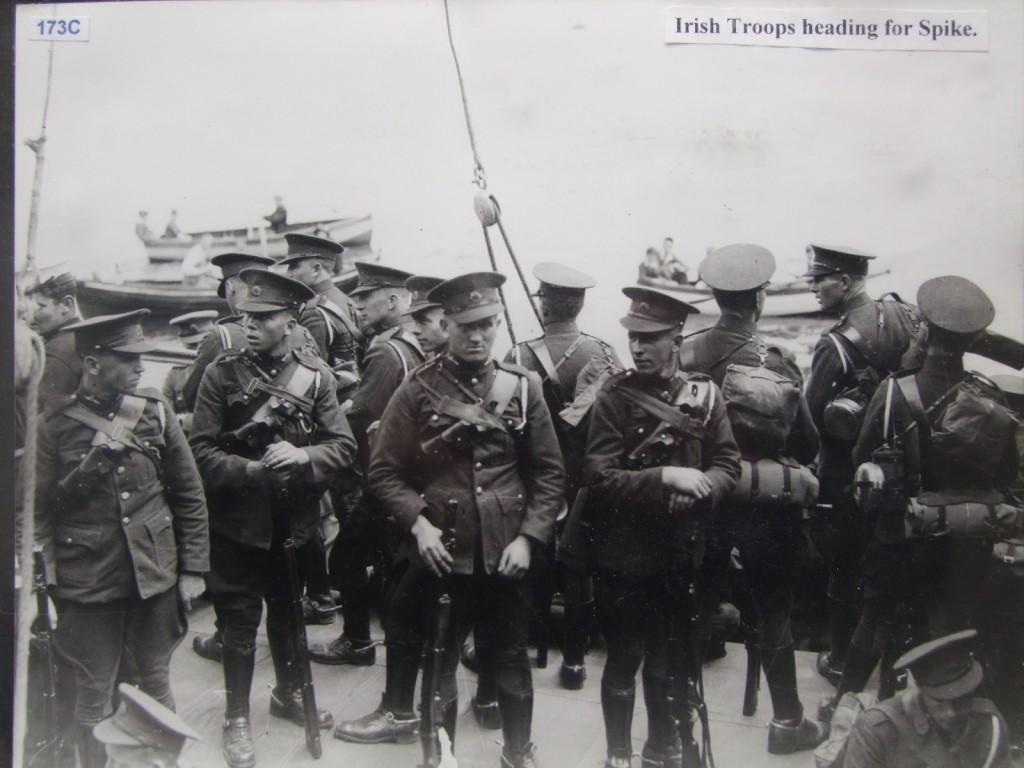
(63, 369)
(506, 482)
(240, 509)
(337, 344)
(878, 742)
(119, 539)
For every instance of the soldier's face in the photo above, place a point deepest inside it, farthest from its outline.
(828, 290)
(472, 342)
(947, 714)
(373, 306)
(428, 330)
(305, 271)
(265, 332)
(47, 314)
(114, 373)
(654, 353)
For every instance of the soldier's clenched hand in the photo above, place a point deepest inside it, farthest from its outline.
(687, 481)
(515, 560)
(431, 546)
(283, 455)
(190, 587)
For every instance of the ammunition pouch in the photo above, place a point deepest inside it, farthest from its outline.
(1009, 552)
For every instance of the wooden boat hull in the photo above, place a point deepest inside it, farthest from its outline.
(164, 299)
(352, 232)
(790, 299)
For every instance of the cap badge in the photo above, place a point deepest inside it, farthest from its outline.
(475, 297)
(644, 307)
(256, 291)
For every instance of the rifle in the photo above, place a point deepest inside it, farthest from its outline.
(753, 681)
(687, 661)
(42, 641)
(1001, 349)
(301, 651)
(431, 706)
(88, 469)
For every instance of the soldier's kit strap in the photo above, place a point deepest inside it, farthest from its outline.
(762, 405)
(112, 434)
(963, 520)
(769, 483)
(669, 414)
(332, 315)
(540, 350)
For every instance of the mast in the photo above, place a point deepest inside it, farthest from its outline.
(37, 146)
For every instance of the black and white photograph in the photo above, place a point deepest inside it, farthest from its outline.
(564, 383)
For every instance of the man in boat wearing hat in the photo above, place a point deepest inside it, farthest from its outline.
(862, 348)
(767, 536)
(269, 437)
(192, 328)
(55, 308)
(660, 458)
(143, 733)
(558, 357)
(466, 465)
(330, 317)
(122, 522)
(392, 351)
(932, 573)
(939, 724)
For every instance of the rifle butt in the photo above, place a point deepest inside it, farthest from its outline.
(753, 681)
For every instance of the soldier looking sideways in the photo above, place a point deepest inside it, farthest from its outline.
(121, 520)
(268, 436)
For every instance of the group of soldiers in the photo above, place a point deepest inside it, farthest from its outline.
(446, 476)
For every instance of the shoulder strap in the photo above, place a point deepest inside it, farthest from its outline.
(664, 412)
(119, 429)
(912, 434)
(543, 355)
(225, 337)
(329, 306)
(401, 358)
(844, 356)
(293, 391)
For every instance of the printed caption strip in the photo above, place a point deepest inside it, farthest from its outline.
(855, 28)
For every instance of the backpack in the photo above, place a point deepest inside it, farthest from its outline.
(762, 404)
(879, 352)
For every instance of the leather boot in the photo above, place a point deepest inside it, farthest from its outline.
(516, 723)
(527, 758)
(208, 646)
(779, 666)
(662, 748)
(579, 618)
(345, 650)
(379, 727)
(238, 749)
(91, 752)
(856, 671)
(617, 707)
(286, 696)
(788, 736)
(400, 672)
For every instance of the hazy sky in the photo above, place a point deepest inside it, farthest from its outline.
(597, 137)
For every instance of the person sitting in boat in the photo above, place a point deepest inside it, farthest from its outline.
(279, 218)
(172, 230)
(671, 267)
(650, 267)
(196, 269)
(142, 229)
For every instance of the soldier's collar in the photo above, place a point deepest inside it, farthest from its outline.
(464, 370)
(76, 318)
(561, 327)
(859, 300)
(105, 406)
(736, 324)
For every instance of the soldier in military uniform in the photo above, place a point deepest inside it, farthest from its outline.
(228, 332)
(121, 520)
(382, 298)
(940, 576)
(660, 458)
(56, 309)
(940, 723)
(268, 436)
(427, 316)
(768, 539)
(143, 733)
(466, 465)
(192, 328)
(558, 357)
(330, 317)
(863, 347)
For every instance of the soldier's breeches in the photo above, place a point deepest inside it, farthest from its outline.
(94, 636)
(497, 608)
(241, 578)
